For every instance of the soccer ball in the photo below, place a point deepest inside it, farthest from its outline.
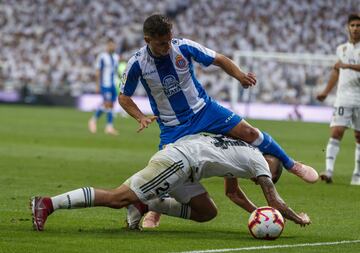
(266, 223)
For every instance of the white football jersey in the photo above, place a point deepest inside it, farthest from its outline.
(217, 155)
(348, 90)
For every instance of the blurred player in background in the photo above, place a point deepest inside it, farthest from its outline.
(180, 104)
(106, 75)
(177, 170)
(346, 73)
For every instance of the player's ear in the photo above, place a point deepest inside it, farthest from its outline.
(147, 39)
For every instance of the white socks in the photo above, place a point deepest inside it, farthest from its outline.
(171, 207)
(79, 198)
(357, 159)
(332, 150)
(259, 140)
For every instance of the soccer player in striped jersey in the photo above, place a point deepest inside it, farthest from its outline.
(177, 170)
(106, 75)
(165, 67)
(180, 104)
(346, 73)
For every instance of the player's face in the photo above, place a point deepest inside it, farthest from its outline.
(159, 45)
(111, 46)
(354, 30)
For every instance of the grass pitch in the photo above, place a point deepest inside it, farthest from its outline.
(47, 151)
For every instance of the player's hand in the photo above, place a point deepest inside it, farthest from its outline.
(321, 96)
(248, 80)
(145, 122)
(97, 89)
(305, 220)
(340, 65)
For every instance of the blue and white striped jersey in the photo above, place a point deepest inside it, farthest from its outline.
(107, 64)
(174, 92)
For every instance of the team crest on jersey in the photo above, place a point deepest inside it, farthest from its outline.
(170, 85)
(180, 62)
(123, 78)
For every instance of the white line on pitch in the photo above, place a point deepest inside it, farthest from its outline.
(273, 247)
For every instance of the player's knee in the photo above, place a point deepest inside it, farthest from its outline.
(208, 215)
(357, 137)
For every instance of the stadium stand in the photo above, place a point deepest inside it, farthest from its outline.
(49, 46)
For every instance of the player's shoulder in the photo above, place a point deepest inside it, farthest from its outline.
(137, 56)
(181, 41)
(101, 55)
(342, 47)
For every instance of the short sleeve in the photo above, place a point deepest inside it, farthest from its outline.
(130, 78)
(199, 53)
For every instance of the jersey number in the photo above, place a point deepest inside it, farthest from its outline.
(339, 110)
(161, 190)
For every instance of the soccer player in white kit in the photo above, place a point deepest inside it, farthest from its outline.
(346, 73)
(176, 170)
(106, 75)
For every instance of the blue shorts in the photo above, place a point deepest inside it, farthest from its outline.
(213, 118)
(109, 94)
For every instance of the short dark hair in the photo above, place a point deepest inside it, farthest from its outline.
(275, 167)
(157, 25)
(353, 16)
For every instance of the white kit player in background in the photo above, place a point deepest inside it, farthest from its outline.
(346, 73)
(106, 75)
(177, 170)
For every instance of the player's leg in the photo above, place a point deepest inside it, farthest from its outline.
(332, 150)
(189, 201)
(109, 105)
(341, 120)
(92, 123)
(355, 180)
(219, 120)
(84, 197)
(166, 170)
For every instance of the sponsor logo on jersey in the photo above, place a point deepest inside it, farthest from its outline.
(123, 78)
(149, 72)
(229, 118)
(170, 85)
(180, 62)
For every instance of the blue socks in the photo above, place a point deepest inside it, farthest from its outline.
(98, 112)
(109, 116)
(268, 145)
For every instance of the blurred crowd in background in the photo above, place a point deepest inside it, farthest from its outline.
(50, 46)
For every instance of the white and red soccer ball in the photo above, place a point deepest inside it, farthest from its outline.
(266, 223)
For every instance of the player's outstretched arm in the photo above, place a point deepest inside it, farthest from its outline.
(133, 110)
(233, 70)
(342, 65)
(274, 200)
(236, 195)
(334, 77)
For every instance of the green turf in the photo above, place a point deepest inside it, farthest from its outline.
(46, 151)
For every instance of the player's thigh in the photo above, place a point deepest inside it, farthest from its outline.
(342, 117)
(341, 120)
(187, 191)
(244, 131)
(163, 173)
(107, 95)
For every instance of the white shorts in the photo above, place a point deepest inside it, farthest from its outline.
(347, 117)
(166, 170)
(187, 191)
